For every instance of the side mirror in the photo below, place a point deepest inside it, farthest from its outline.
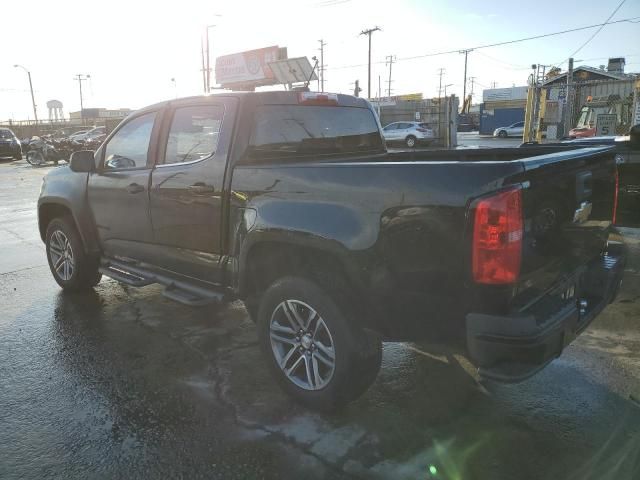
(82, 161)
(634, 136)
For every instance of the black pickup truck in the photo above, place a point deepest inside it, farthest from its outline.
(290, 202)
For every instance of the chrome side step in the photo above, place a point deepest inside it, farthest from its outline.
(137, 275)
(125, 277)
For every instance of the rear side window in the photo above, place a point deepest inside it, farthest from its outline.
(194, 133)
(307, 130)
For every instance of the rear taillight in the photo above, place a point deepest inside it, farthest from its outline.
(615, 197)
(313, 98)
(497, 238)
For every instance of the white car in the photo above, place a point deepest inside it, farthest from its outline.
(78, 135)
(409, 133)
(514, 130)
(81, 137)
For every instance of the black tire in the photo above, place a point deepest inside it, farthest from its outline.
(411, 141)
(503, 134)
(35, 157)
(83, 273)
(357, 352)
(252, 304)
(18, 156)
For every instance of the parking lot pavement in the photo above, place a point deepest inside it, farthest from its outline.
(473, 139)
(123, 383)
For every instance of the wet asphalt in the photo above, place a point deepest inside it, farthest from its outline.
(123, 383)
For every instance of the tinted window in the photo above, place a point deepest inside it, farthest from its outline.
(518, 125)
(391, 126)
(129, 147)
(6, 134)
(194, 133)
(301, 130)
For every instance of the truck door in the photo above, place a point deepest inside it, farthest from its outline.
(186, 194)
(118, 191)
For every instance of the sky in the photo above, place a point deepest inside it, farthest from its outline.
(132, 49)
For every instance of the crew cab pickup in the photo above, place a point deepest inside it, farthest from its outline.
(290, 202)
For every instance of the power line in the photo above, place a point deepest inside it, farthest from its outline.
(594, 33)
(509, 42)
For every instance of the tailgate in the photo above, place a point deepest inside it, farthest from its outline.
(568, 211)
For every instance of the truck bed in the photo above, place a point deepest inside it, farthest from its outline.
(401, 222)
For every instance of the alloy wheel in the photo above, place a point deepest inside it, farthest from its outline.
(302, 345)
(61, 255)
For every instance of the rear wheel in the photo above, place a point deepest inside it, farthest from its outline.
(315, 350)
(71, 267)
(410, 141)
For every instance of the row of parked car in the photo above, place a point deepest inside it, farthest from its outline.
(51, 147)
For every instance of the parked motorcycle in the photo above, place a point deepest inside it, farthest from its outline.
(42, 150)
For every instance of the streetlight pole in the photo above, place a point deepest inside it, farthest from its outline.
(175, 86)
(445, 89)
(33, 100)
(208, 58)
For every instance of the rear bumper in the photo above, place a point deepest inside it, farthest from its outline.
(515, 347)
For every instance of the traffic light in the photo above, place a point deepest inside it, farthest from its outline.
(357, 89)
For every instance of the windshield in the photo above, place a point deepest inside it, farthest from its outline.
(6, 134)
(302, 130)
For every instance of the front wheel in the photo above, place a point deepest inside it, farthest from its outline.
(317, 353)
(410, 141)
(503, 134)
(71, 267)
(35, 157)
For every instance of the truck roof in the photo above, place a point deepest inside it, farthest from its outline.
(270, 97)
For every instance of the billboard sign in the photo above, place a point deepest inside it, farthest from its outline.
(248, 68)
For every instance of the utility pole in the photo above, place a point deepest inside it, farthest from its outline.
(464, 85)
(33, 100)
(494, 84)
(81, 77)
(441, 72)
(568, 106)
(472, 85)
(321, 76)
(390, 60)
(368, 33)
